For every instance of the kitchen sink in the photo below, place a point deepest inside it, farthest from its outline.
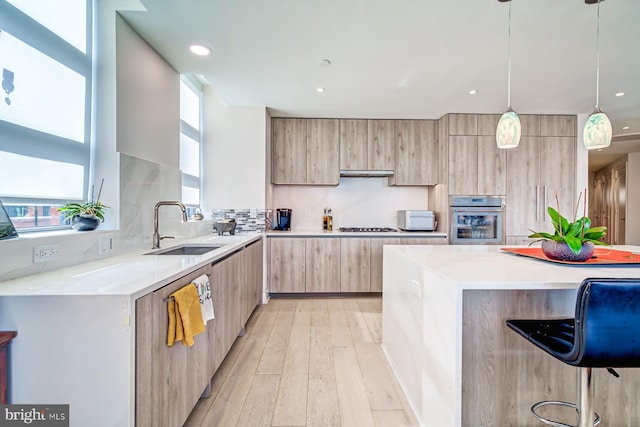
(186, 250)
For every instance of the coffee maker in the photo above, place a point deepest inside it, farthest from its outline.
(283, 219)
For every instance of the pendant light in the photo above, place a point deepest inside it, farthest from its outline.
(597, 130)
(509, 130)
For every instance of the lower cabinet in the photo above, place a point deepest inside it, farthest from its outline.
(170, 380)
(332, 264)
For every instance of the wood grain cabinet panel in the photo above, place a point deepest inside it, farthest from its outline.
(289, 151)
(355, 265)
(287, 265)
(353, 144)
(487, 124)
(381, 145)
(376, 249)
(323, 151)
(492, 167)
(463, 124)
(558, 125)
(322, 264)
(463, 165)
(416, 153)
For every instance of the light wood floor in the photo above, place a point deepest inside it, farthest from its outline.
(307, 362)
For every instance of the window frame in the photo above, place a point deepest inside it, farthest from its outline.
(188, 180)
(29, 142)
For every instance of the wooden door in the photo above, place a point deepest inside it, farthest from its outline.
(353, 145)
(463, 165)
(523, 203)
(492, 167)
(287, 264)
(322, 264)
(289, 151)
(323, 151)
(381, 145)
(355, 264)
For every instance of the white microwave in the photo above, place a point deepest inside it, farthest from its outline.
(417, 220)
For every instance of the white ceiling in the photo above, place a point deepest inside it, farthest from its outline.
(405, 59)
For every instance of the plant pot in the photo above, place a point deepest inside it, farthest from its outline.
(562, 252)
(85, 222)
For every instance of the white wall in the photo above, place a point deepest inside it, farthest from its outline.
(234, 158)
(356, 202)
(632, 236)
(148, 100)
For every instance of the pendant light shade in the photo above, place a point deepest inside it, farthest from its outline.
(509, 129)
(597, 131)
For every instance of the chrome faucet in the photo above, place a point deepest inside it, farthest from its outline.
(156, 233)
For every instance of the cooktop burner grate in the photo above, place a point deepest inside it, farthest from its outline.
(366, 229)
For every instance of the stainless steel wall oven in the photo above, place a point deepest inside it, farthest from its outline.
(476, 220)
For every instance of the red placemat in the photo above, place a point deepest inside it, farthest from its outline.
(601, 256)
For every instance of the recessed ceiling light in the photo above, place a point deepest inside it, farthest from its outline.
(473, 92)
(320, 89)
(625, 127)
(620, 94)
(200, 49)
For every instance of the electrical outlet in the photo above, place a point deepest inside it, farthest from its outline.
(105, 244)
(44, 253)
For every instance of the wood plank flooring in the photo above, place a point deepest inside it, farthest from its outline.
(307, 362)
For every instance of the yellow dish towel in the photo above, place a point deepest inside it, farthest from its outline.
(185, 316)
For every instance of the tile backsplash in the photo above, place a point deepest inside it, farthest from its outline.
(247, 220)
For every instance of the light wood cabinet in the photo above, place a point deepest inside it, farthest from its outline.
(367, 145)
(305, 151)
(492, 167)
(355, 265)
(416, 153)
(463, 124)
(170, 380)
(322, 264)
(476, 166)
(287, 265)
(289, 151)
(541, 167)
(377, 244)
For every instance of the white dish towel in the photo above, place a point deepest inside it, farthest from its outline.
(204, 292)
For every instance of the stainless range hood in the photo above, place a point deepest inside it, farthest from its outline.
(365, 173)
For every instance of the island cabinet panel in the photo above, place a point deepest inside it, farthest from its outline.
(353, 145)
(416, 153)
(322, 270)
(287, 265)
(169, 380)
(381, 145)
(355, 265)
(289, 151)
(323, 151)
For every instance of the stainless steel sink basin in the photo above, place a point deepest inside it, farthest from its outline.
(186, 250)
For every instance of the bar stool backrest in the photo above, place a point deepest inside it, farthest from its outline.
(607, 324)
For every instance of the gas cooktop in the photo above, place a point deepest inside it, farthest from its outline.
(366, 229)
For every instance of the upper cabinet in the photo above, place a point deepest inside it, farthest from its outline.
(416, 153)
(367, 145)
(305, 151)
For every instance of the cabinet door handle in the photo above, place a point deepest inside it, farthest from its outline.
(537, 203)
(544, 217)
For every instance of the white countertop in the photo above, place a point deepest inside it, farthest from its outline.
(336, 233)
(487, 267)
(131, 274)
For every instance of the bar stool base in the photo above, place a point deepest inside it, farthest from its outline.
(596, 421)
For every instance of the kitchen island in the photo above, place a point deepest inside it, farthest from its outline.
(444, 309)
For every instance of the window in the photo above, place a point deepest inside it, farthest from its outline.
(190, 142)
(45, 113)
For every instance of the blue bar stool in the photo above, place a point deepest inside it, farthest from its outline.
(605, 333)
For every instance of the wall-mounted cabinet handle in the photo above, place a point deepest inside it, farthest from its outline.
(537, 203)
(544, 205)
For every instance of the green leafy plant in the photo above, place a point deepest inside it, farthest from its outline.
(575, 233)
(89, 208)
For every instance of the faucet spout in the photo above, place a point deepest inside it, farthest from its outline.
(156, 233)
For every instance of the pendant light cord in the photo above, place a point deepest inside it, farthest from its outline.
(509, 60)
(598, 57)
